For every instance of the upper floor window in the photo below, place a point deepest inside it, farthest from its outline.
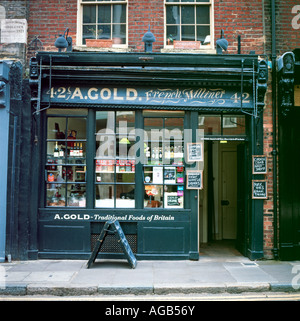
(103, 19)
(189, 20)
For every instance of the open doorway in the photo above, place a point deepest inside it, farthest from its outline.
(219, 211)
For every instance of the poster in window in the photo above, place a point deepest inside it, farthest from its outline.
(195, 152)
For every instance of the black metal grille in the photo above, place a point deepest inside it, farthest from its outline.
(111, 244)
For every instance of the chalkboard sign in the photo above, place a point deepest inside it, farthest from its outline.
(194, 179)
(259, 189)
(113, 227)
(259, 164)
(195, 152)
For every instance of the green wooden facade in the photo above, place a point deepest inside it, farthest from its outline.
(185, 83)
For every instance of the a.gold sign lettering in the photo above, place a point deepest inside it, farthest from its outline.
(162, 96)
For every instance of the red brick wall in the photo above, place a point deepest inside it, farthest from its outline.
(141, 14)
(49, 18)
(250, 20)
(288, 38)
(244, 18)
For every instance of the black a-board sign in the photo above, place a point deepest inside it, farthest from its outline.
(115, 228)
(259, 189)
(259, 164)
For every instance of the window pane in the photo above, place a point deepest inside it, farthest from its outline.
(76, 195)
(173, 197)
(173, 33)
(125, 119)
(202, 33)
(119, 13)
(105, 146)
(104, 14)
(76, 128)
(125, 196)
(188, 33)
(88, 32)
(187, 14)
(104, 31)
(210, 124)
(203, 15)
(119, 34)
(234, 125)
(174, 129)
(104, 170)
(153, 196)
(89, 14)
(55, 195)
(56, 128)
(173, 15)
(105, 122)
(153, 128)
(104, 196)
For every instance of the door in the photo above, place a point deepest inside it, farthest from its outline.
(242, 200)
(229, 194)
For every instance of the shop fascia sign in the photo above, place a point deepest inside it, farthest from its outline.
(190, 97)
(106, 217)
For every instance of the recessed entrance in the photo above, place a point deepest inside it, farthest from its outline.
(218, 201)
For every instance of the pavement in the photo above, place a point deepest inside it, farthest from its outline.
(213, 273)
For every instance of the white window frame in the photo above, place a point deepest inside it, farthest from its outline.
(207, 47)
(80, 6)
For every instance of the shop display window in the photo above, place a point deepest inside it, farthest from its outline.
(65, 170)
(164, 169)
(115, 159)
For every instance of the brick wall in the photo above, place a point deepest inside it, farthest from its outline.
(48, 18)
(244, 18)
(141, 14)
(288, 38)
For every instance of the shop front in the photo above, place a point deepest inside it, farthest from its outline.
(162, 143)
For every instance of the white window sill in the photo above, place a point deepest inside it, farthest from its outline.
(94, 49)
(195, 51)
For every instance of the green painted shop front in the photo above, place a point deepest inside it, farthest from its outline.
(118, 134)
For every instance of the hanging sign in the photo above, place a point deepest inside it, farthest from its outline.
(259, 164)
(195, 152)
(259, 189)
(194, 179)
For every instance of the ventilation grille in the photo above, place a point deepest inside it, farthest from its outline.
(111, 244)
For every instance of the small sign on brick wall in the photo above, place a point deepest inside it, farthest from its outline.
(13, 31)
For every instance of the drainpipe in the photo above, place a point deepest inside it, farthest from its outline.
(274, 151)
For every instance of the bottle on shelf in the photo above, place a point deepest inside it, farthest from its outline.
(61, 151)
(72, 151)
(80, 151)
(56, 151)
